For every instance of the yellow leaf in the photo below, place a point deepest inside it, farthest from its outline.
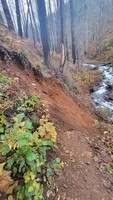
(15, 146)
(44, 179)
(10, 145)
(11, 188)
(32, 175)
(1, 168)
(27, 178)
(10, 197)
(36, 185)
(62, 164)
(30, 189)
(43, 116)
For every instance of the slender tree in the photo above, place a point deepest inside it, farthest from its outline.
(1, 19)
(27, 20)
(52, 24)
(58, 26)
(18, 18)
(35, 24)
(23, 17)
(7, 15)
(43, 29)
(62, 62)
(31, 20)
(72, 11)
(51, 27)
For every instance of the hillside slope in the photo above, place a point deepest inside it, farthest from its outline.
(81, 178)
(102, 50)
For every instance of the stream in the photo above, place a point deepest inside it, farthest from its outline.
(102, 95)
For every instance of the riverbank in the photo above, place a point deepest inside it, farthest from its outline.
(102, 96)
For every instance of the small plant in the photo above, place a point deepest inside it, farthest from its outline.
(2, 94)
(28, 103)
(40, 64)
(96, 124)
(105, 112)
(4, 79)
(24, 52)
(108, 168)
(26, 144)
(5, 105)
(2, 123)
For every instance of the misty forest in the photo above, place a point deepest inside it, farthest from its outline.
(56, 99)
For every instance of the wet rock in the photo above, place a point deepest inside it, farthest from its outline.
(92, 90)
(109, 87)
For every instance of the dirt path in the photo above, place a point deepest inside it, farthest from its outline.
(81, 180)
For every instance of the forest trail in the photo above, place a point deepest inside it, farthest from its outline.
(80, 180)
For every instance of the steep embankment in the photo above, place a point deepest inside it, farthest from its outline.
(80, 179)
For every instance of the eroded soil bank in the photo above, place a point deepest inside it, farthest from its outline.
(82, 177)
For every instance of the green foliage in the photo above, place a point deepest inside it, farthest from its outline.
(28, 103)
(108, 168)
(2, 123)
(24, 52)
(96, 124)
(105, 112)
(5, 105)
(84, 80)
(4, 79)
(29, 136)
(40, 64)
(2, 94)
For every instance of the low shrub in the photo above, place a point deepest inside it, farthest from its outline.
(27, 137)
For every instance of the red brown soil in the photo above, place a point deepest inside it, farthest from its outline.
(80, 180)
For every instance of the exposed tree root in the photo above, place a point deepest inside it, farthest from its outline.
(20, 60)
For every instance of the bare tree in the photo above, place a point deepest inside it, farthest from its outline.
(7, 15)
(1, 19)
(62, 62)
(72, 11)
(43, 29)
(35, 23)
(18, 18)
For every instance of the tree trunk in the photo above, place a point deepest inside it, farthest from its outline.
(43, 29)
(18, 18)
(31, 20)
(7, 15)
(72, 11)
(1, 19)
(62, 62)
(24, 18)
(36, 27)
(27, 20)
(58, 26)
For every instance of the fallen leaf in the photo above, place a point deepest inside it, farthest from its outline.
(1, 168)
(62, 164)
(105, 132)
